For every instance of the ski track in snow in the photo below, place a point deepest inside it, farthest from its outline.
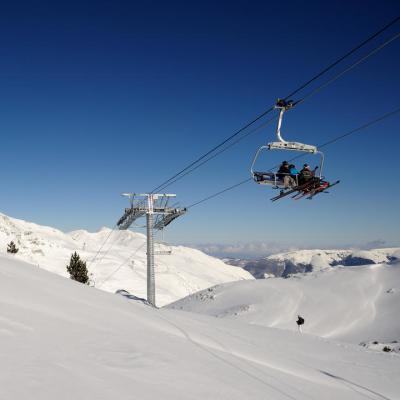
(214, 352)
(55, 331)
(220, 351)
(350, 304)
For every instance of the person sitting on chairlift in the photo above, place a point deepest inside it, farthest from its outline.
(293, 171)
(305, 174)
(284, 174)
(283, 170)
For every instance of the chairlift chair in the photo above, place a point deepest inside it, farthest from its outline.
(273, 178)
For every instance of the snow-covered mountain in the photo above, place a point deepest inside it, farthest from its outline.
(121, 263)
(298, 261)
(352, 304)
(63, 340)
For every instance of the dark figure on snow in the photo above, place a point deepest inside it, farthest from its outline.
(300, 321)
(284, 174)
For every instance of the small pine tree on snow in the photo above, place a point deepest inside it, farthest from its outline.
(77, 269)
(11, 248)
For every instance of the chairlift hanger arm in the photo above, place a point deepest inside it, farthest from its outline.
(282, 144)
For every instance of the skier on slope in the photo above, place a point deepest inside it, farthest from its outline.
(300, 321)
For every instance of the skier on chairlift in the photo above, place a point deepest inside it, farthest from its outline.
(293, 171)
(307, 183)
(305, 174)
(285, 175)
(283, 169)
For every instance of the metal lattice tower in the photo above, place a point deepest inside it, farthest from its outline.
(158, 216)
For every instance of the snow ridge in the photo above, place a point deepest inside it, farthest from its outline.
(121, 265)
(354, 304)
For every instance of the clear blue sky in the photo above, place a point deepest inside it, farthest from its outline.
(102, 97)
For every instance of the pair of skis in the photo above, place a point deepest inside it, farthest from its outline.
(321, 190)
(299, 188)
(308, 189)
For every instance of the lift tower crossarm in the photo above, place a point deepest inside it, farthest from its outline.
(169, 217)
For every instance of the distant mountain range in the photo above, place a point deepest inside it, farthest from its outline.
(299, 261)
(119, 262)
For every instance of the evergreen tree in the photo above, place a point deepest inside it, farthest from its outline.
(77, 269)
(11, 248)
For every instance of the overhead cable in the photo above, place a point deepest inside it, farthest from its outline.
(331, 141)
(301, 87)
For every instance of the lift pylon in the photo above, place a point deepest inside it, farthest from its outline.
(150, 204)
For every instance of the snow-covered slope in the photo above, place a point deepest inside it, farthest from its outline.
(62, 340)
(287, 263)
(348, 303)
(121, 263)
